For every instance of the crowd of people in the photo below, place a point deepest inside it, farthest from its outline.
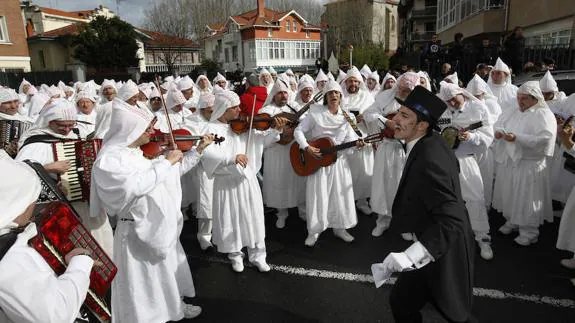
(505, 147)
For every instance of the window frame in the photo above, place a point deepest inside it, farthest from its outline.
(4, 35)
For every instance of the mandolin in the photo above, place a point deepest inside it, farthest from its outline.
(305, 164)
(451, 134)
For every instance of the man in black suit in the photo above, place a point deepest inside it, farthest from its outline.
(438, 267)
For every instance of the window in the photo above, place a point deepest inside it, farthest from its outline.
(287, 26)
(252, 51)
(294, 26)
(42, 58)
(3, 30)
(307, 34)
(270, 32)
(234, 53)
(226, 55)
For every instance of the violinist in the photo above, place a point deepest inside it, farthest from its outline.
(155, 103)
(145, 195)
(329, 191)
(305, 92)
(187, 87)
(282, 187)
(179, 116)
(237, 209)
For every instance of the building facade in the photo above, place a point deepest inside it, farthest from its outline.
(261, 38)
(358, 22)
(14, 56)
(418, 21)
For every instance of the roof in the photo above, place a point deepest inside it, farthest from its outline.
(251, 18)
(216, 27)
(155, 39)
(83, 14)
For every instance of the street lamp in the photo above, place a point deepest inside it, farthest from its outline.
(350, 55)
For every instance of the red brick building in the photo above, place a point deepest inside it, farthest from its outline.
(14, 55)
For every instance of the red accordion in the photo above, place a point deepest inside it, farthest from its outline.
(82, 155)
(59, 232)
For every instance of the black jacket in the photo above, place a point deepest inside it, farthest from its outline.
(429, 204)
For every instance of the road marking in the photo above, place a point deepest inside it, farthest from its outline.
(365, 278)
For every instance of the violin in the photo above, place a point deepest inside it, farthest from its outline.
(262, 121)
(161, 142)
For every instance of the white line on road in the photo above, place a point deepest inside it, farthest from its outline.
(364, 278)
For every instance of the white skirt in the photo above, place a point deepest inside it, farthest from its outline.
(389, 162)
(566, 237)
(330, 201)
(530, 196)
(472, 193)
(487, 168)
(561, 179)
(189, 188)
(282, 187)
(238, 213)
(361, 163)
(204, 194)
(502, 187)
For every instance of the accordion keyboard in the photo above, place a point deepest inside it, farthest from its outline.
(71, 179)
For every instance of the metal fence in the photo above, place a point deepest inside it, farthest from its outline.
(13, 79)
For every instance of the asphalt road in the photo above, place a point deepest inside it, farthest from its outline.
(331, 281)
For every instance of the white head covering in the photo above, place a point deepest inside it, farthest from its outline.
(175, 98)
(304, 84)
(59, 109)
(427, 81)
(220, 77)
(365, 71)
(272, 71)
(375, 76)
(330, 76)
(206, 100)
(478, 86)
(352, 72)
(128, 90)
(548, 83)
(332, 86)
(7, 95)
(184, 84)
(452, 78)
(224, 100)
(127, 124)
(84, 95)
(155, 93)
(449, 90)
(532, 88)
(289, 72)
(341, 76)
(169, 79)
(306, 78)
(109, 83)
(21, 88)
(204, 78)
(387, 77)
(500, 66)
(279, 86)
(55, 91)
(20, 187)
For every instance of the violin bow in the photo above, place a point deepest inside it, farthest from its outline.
(251, 125)
(165, 109)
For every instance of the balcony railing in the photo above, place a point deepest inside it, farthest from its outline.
(421, 36)
(424, 13)
(182, 68)
(232, 38)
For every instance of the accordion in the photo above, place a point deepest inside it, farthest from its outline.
(59, 232)
(82, 155)
(10, 133)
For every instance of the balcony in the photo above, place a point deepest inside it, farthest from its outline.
(421, 36)
(428, 12)
(232, 38)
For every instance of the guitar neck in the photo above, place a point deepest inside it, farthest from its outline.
(473, 126)
(304, 109)
(339, 147)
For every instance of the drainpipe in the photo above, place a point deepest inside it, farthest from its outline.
(505, 26)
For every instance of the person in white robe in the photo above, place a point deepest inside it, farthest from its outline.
(390, 156)
(526, 140)
(204, 85)
(388, 82)
(365, 72)
(26, 277)
(282, 187)
(330, 76)
(452, 78)
(190, 91)
(86, 114)
(561, 180)
(221, 81)
(356, 99)
(273, 73)
(237, 209)
(372, 82)
(26, 91)
(37, 103)
(566, 236)
(203, 184)
(321, 80)
(59, 119)
(155, 103)
(108, 90)
(500, 84)
(266, 79)
(479, 88)
(340, 76)
(305, 91)
(424, 80)
(153, 271)
(329, 191)
(179, 116)
(9, 106)
(463, 110)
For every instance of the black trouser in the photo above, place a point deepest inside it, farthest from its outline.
(409, 295)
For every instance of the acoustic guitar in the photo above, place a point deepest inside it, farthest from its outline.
(304, 164)
(287, 137)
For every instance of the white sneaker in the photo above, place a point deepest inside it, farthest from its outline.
(379, 230)
(506, 229)
(311, 239)
(281, 222)
(363, 207)
(524, 241)
(343, 235)
(262, 266)
(205, 244)
(568, 263)
(573, 281)
(486, 251)
(238, 265)
(192, 311)
(407, 236)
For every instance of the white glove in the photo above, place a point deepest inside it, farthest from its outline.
(394, 262)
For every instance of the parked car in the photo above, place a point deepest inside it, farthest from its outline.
(565, 79)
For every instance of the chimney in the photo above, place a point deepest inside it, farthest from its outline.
(261, 6)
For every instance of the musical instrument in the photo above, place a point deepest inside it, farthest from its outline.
(305, 164)
(160, 142)
(261, 121)
(287, 137)
(81, 155)
(59, 232)
(10, 133)
(451, 134)
(389, 132)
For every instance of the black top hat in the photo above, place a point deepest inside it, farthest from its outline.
(426, 104)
